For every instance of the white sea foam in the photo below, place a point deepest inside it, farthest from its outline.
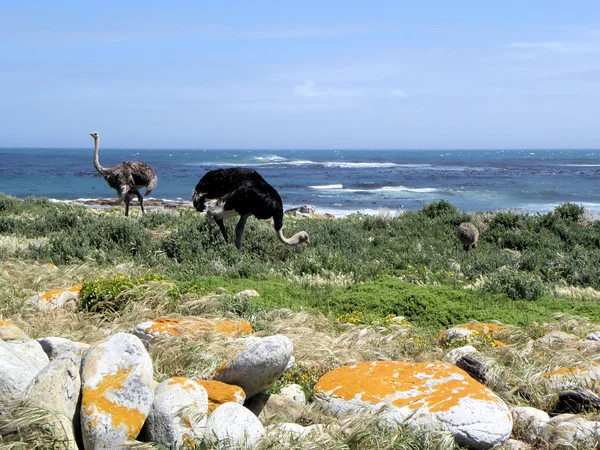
(341, 188)
(270, 158)
(328, 186)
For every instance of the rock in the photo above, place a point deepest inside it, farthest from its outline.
(513, 444)
(305, 209)
(468, 333)
(178, 412)
(219, 393)
(269, 407)
(434, 395)
(578, 433)
(568, 377)
(481, 371)
(257, 367)
(57, 299)
(190, 326)
(295, 392)
(57, 387)
(545, 433)
(286, 430)
(247, 293)
(595, 336)
(116, 377)
(56, 346)
(456, 353)
(528, 422)
(19, 365)
(557, 338)
(9, 332)
(577, 400)
(231, 425)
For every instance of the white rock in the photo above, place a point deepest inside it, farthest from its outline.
(19, 364)
(247, 293)
(116, 376)
(557, 338)
(58, 299)
(295, 392)
(57, 387)
(579, 433)
(513, 444)
(257, 367)
(56, 346)
(595, 336)
(232, 425)
(9, 332)
(434, 396)
(529, 422)
(455, 354)
(178, 411)
(565, 378)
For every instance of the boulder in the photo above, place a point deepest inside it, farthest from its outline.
(257, 367)
(295, 392)
(469, 333)
(9, 332)
(231, 426)
(595, 336)
(557, 338)
(20, 363)
(433, 395)
(190, 326)
(482, 371)
(577, 400)
(178, 412)
(528, 422)
(117, 393)
(586, 375)
(575, 433)
(456, 353)
(247, 293)
(219, 393)
(57, 299)
(56, 346)
(57, 387)
(513, 444)
(269, 407)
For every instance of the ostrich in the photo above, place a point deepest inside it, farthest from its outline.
(468, 235)
(236, 191)
(127, 178)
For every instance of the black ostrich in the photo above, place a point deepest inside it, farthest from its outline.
(127, 178)
(236, 191)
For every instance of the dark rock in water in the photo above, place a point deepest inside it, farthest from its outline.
(577, 400)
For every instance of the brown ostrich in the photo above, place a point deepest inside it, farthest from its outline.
(127, 178)
(468, 235)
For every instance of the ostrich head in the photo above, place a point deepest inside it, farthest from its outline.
(297, 239)
(94, 135)
(303, 238)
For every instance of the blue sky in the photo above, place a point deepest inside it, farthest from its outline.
(310, 74)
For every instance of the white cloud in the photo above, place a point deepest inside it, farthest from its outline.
(309, 89)
(397, 93)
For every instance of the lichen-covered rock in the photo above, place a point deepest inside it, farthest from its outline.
(56, 346)
(9, 332)
(269, 407)
(468, 333)
(190, 326)
(295, 392)
(219, 393)
(117, 392)
(567, 377)
(456, 353)
(57, 387)
(232, 426)
(178, 412)
(257, 367)
(432, 395)
(19, 364)
(57, 299)
(575, 433)
(528, 422)
(557, 338)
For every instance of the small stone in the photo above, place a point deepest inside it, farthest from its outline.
(270, 407)
(231, 425)
(219, 393)
(247, 293)
(295, 392)
(178, 412)
(117, 393)
(57, 299)
(528, 422)
(259, 366)
(56, 346)
(456, 353)
(595, 336)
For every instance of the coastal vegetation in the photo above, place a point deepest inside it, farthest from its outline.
(367, 288)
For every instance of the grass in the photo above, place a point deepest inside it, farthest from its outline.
(340, 300)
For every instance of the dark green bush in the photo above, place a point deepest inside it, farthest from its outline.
(440, 208)
(569, 212)
(515, 284)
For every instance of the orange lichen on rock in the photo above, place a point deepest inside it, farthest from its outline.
(96, 402)
(219, 393)
(566, 371)
(10, 332)
(437, 386)
(52, 295)
(165, 326)
(486, 328)
(234, 327)
(193, 325)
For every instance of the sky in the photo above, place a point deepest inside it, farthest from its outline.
(301, 75)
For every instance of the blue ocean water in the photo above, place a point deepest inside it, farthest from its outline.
(334, 181)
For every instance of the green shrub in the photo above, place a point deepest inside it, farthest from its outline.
(103, 294)
(569, 212)
(439, 209)
(516, 284)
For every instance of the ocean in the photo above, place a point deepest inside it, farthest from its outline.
(337, 182)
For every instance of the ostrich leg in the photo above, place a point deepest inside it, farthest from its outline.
(127, 201)
(141, 199)
(239, 230)
(222, 228)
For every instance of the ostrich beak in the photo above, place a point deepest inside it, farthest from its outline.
(308, 242)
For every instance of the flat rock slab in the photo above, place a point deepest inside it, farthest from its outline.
(258, 367)
(178, 412)
(233, 426)
(117, 393)
(190, 326)
(57, 299)
(434, 395)
(219, 393)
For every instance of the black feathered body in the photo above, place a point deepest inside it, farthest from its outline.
(132, 176)
(238, 190)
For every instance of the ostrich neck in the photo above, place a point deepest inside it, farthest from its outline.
(294, 240)
(96, 160)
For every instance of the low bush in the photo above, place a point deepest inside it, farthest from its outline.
(516, 284)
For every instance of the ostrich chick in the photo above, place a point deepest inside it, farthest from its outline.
(226, 193)
(127, 178)
(468, 235)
